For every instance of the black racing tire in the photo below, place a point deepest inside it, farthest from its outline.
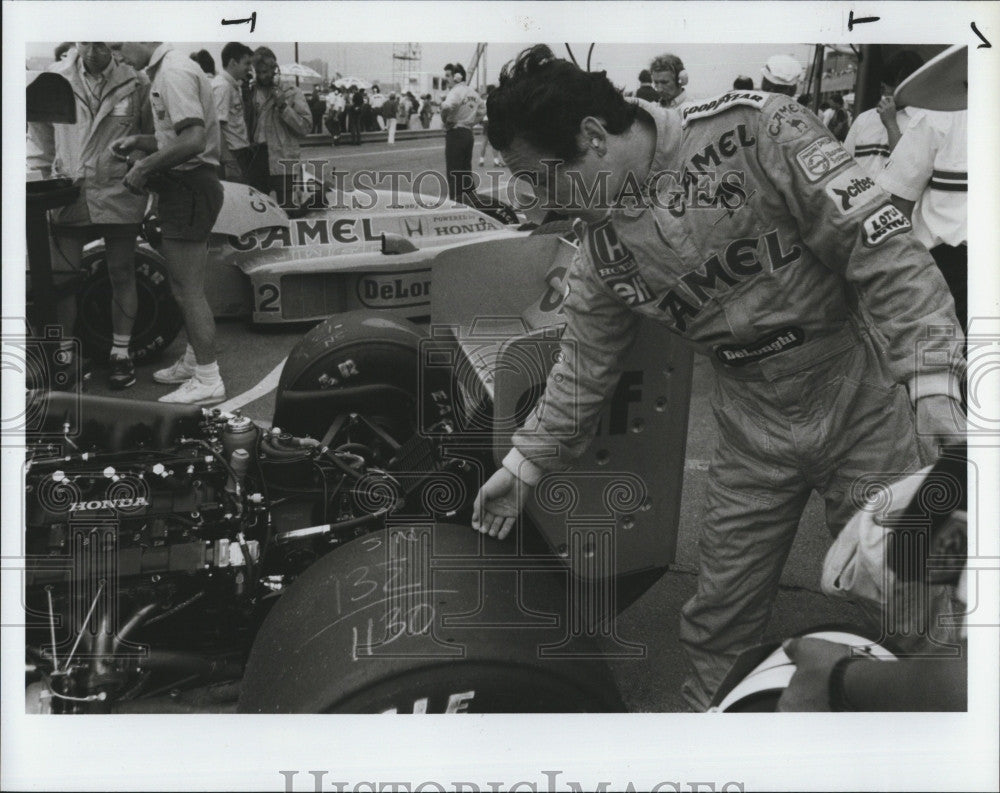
(419, 618)
(157, 322)
(360, 362)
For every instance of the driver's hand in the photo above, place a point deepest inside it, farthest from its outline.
(498, 504)
(809, 688)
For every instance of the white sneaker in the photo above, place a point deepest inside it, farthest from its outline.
(481, 160)
(179, 372)
(496, 161)
(195, 392)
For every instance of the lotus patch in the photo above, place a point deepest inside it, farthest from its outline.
(821, 157)
(885, 222)
(724, 102)
(852, 190)
(772, 344)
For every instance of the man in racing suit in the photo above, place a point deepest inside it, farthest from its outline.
(754, 236)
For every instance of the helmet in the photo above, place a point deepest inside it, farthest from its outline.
(760, 674)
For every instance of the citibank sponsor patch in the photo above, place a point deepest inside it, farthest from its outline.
(765, 347)
(885, 222)
(821, 157)
(852, 190)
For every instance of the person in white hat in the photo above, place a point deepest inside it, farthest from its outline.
(781, 75)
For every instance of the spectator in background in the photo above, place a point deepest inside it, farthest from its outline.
(805, 100)
(645, 91)
(669, 78)
(182, 169)
(403, 112)
(205, 60)
(368, 122)
(234, 152)
(414, 103)
(743, 83)
(62, 50)
(875, 132)
(840, 121)
(461, 110)
(927, 176)
(389, 109)
(355, 108)
(426, 111)
(335, 105)
(781, 75)
(377, 102)
(825, 113)
(317, 107)
(111, 101)
(281, 118)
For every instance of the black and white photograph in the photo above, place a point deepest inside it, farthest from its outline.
(576, 396)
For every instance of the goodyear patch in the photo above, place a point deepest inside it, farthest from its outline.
(711, 107)
(821, 157)
(852, 190)
(885, 222)
(787, 123)
(772, 344)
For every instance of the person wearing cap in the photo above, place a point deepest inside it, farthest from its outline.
(781, 75)
(743, 83)
(875, 132)
(669, 79)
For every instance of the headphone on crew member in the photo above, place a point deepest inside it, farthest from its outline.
(680, 75)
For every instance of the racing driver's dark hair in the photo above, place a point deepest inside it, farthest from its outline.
(542, 99)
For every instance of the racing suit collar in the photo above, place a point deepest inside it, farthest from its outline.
(668, 139)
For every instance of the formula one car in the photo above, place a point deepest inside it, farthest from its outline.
(182, 559)
(361, 249)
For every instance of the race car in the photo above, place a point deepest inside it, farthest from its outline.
(187, 560)
(368, 249)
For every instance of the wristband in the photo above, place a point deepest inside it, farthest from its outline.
(836, 695)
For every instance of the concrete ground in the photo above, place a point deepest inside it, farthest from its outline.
(247, 355)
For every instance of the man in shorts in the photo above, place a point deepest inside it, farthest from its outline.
(111, 99)
(181, 167)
